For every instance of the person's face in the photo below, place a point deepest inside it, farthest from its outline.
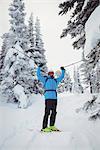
(51, 74)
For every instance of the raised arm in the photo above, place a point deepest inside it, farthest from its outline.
(61, 76)
(40, 76)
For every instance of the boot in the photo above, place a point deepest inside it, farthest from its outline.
(46, 130)
(53, 128)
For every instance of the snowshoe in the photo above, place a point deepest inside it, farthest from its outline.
(53, 128)
(46, 130)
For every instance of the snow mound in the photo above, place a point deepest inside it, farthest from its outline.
(20, 95)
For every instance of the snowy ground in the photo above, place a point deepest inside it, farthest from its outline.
(19, 128)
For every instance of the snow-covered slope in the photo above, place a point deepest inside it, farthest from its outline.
(19, 128)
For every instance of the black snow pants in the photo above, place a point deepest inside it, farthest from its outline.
(50, 109)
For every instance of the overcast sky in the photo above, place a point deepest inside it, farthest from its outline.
(59, 52)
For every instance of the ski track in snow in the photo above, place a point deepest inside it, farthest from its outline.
(75, 135)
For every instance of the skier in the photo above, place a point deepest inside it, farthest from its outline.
(50, 84)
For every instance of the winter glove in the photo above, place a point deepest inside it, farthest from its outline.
(62, 68)
(40, 65)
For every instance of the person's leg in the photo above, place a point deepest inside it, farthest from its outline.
(46, 115)
(53, 114)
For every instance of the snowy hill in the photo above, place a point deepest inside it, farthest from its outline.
(19, 128)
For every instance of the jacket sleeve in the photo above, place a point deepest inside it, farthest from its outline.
(40, 76)
(60, 77)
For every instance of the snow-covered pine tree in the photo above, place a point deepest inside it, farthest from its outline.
(39, 51)
(98, 78)
(77, 87)
(36, 51)
(61, 87)
(82, 9)
(92, 46)
(17, 22)
(16, 67)
(93, 65)
(31, 44)
(31, 37)
(93, 79)
(17, 31)
(85, 16)
(3, 50)
(66, 84)
(30, 53)
(17, 75)
(7, 43)
(92, 55)
(85, 73)
(2, 54)
(38, 55)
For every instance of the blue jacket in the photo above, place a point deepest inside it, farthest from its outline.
(50, 84)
